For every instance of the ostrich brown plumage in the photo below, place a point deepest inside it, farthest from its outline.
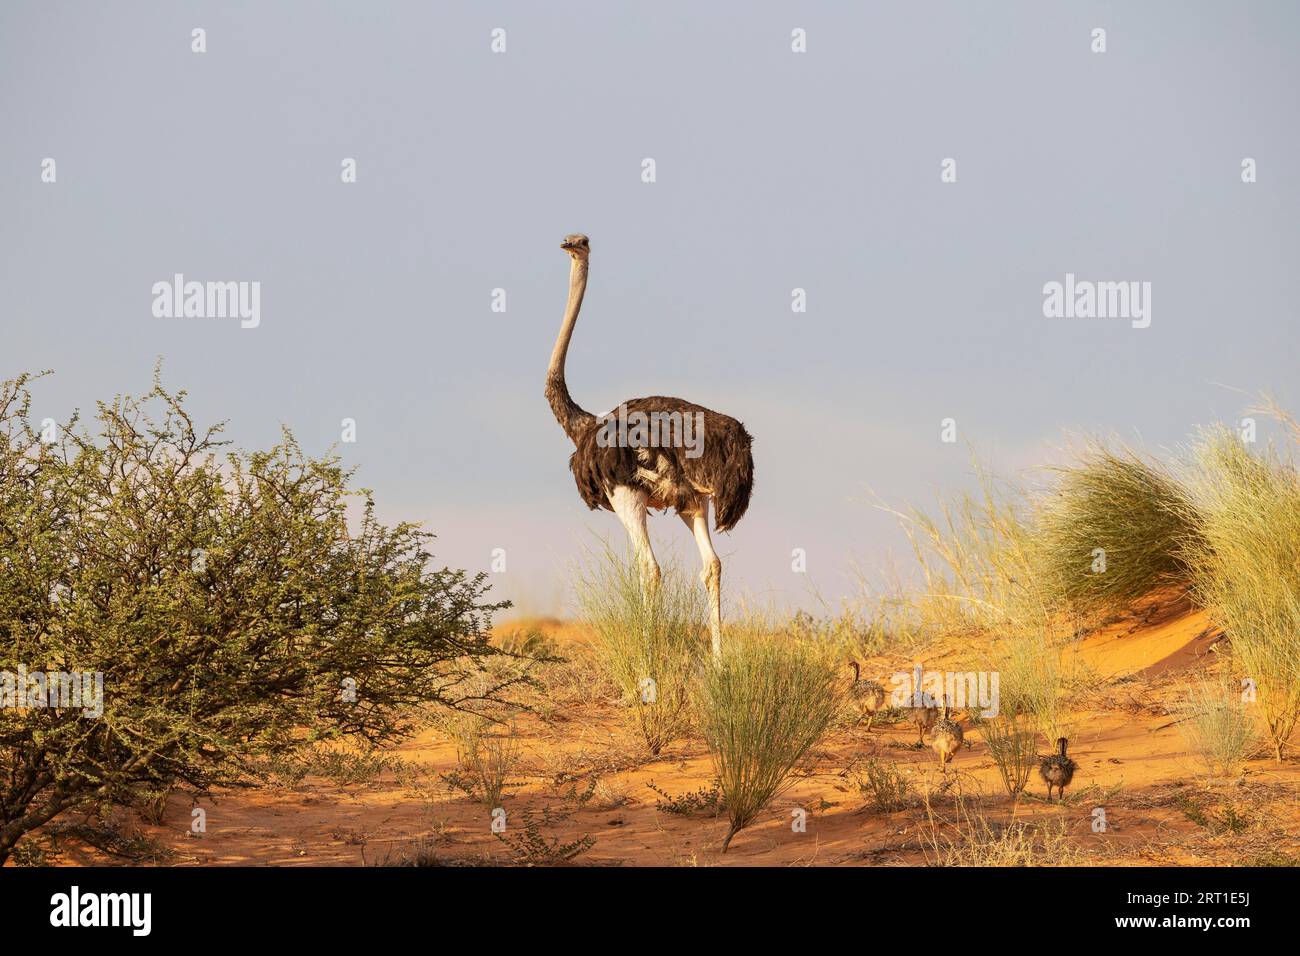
(869, 695)
(924, 717)
(1058, 769)
(631, 477)
(946, 737)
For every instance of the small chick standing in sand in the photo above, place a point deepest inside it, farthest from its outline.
(946, 738)
(1057, 770)
(869, 695)
(924, 718)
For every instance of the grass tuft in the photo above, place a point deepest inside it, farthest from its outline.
(484, 760)
(761, 710)
(971, 838)
(651, 648)
(885, 786)
(1216, 725)
(1112, 532)
(1244, 555)
(1013, 747)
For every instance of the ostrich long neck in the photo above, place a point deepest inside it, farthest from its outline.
(567, 412)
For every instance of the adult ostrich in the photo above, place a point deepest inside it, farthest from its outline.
(622, 471)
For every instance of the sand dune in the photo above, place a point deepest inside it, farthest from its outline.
(1132, 762)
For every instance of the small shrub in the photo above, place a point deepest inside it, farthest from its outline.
(153, 804)
(705, 800)
(1216, 726)
(1193, 810)
(421, 853)
(112, 839)
(972, 839)
(529, 845)
(761, 709)
(885, 786)
(577, 799)
(1014, 750)
(347, 767)
(284, 770)
(484, 760)
(30, 852)
(1230, 819)
(609, 795)
(982, 842)
(651, 647)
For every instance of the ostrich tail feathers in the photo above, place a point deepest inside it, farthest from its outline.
(735, 482)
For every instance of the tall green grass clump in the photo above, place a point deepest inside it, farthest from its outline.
(1246, 558)
(761, 710)
(1113, 531)
(1216, 725)
(651, 647)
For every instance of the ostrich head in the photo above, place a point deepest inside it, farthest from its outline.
(576, 245)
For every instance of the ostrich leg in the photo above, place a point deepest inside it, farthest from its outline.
(711, 575)
(631, 505)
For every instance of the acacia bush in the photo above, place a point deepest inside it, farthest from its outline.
(224, 598)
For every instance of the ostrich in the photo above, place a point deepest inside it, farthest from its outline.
(1058, 769)
(924, 718)
(629, 477)
(947, 737)
(868, 694)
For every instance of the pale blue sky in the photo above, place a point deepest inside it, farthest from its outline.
(775, 170)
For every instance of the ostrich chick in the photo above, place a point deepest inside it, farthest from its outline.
(1057, 770)
(946, 738)
(924, 718)
(868, 695)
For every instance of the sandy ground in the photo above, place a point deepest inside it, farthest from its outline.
(1132, 763)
